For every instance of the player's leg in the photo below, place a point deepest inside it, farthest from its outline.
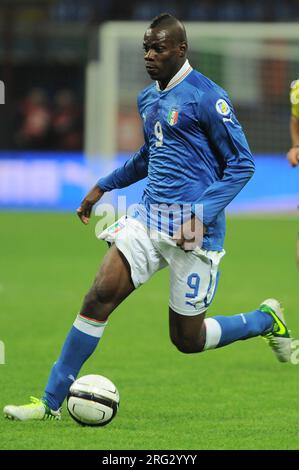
(191, 334)
(112, 285)
(193, 285)
(130, 262)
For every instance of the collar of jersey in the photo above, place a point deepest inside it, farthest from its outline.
(178, 78)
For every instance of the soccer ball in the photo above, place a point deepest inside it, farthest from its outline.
(93, 400)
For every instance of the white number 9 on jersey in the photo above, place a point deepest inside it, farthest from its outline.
(158, 134)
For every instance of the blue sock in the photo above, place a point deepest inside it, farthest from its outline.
(79, 345)
(221, 330)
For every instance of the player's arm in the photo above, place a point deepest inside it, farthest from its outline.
(133, 170)
(227, 137)
(293, 153)
(228, 140)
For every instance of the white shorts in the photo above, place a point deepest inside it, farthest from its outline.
(193, 274)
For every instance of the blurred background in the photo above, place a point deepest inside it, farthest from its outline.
(73, 69)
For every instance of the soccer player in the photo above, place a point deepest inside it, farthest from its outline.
(293, 154)
(197, 159)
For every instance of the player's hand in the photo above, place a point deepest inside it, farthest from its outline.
(293, 156)
(84, 211)
(190, 234)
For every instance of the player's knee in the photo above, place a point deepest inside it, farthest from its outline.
(187, 345)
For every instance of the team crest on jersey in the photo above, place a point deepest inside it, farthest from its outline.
(173, 117)
(222, 107)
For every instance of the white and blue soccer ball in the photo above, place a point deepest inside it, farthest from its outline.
(93, 400)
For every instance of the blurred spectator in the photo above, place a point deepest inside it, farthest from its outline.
(97, 11)
(199, 11)
(219, 10)
(67, 122)
(71, 10)
(33, 121)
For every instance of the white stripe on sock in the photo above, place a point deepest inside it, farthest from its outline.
(92, 330)
(213, 333)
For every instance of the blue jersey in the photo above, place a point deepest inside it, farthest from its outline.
(195, 152)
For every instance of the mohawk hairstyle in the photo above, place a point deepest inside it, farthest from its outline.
(170, 21)
(163, 17)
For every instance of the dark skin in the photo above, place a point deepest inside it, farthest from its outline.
(164, 54)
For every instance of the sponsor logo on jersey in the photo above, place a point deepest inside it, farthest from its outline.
(222, 107)
(173, 117)
(228, 120)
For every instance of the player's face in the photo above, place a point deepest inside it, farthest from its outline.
(162, 55)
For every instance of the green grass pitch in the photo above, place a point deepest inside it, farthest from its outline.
(238, 397)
